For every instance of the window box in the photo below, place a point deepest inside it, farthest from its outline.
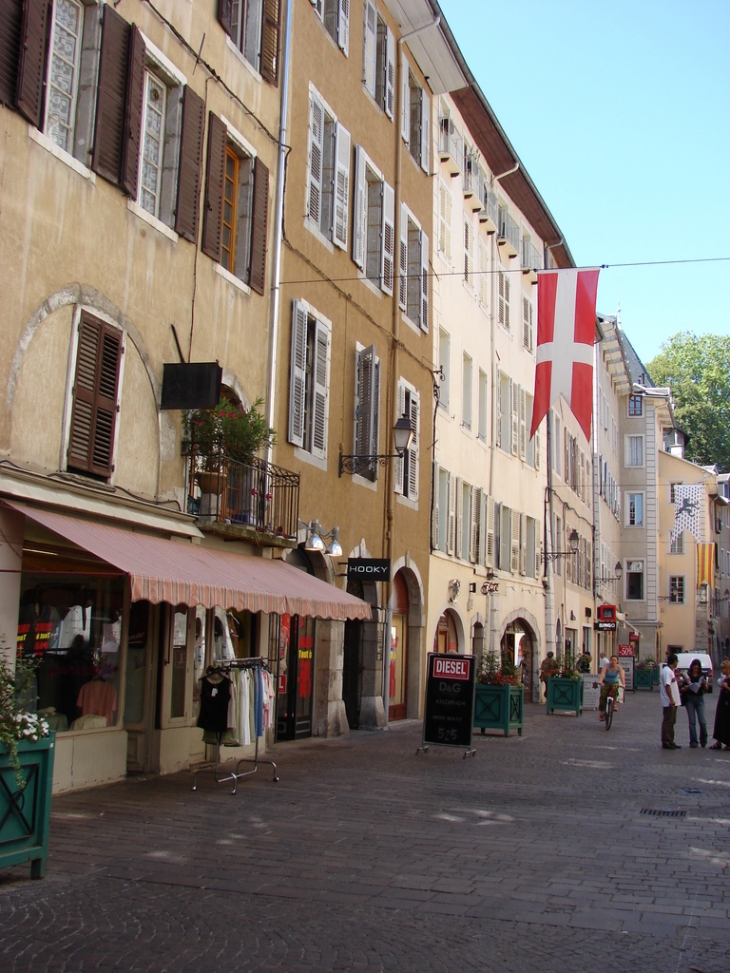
(25, 815)
(499, 708)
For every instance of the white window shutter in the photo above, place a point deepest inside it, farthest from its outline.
(316, 156)
(370, 47)
(388, 239)
(515, 543)
(413, 464)
(389, 105)
(403, 260)
(483, 276)
(490, 532)
(343, 26)
(523, 545)
(405, 98)
(504, 285)
(425, 131)
(451, 539)
(498, 410)
(297, 375)
(537, 444)
(435, 512)
(523, 422)
(527, 332)
(360, 209)
(343, 143)
(398, 462)
(468, 257)
(515, 418)
(476, 523)
(375, 409)
(460, 552)
(538, 543)
(444, 243)
(425, 254)
(319, 404)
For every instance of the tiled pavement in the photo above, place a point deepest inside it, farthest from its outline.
(366, 857)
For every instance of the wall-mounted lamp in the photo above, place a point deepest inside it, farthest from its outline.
(403, 434)
(314, 541)
(618, 573)
(573, 541)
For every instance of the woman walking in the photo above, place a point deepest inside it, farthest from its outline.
(692, 690)
(721, 732)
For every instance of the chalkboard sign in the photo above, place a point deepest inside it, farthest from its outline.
(449, 712)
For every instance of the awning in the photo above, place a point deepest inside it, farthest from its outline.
(182, 573)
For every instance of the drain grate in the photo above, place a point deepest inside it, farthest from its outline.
(663, 814)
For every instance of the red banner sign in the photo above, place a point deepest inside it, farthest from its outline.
(453, 668)
(625, 650)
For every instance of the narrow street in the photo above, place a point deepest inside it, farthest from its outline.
(569, 849)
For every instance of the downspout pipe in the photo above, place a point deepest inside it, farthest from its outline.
(278, 227)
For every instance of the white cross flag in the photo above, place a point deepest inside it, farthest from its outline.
(688, 500)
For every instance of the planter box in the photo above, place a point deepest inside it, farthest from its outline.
(499, 708)
(25, 815)
(656, 675)
(644, 678)
(565, 695)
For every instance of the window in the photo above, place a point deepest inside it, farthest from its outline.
(444, 242)
(379, 59)
(635, 510)
(445, 366)
(532, 446)
(634, 580)
(413, 283)
(95, 398)
(441, 511)
(253, 27)
(636, 404)
(483, 405)
(373, 234)
(335, 15)
(329, 173)
(464, 520)
(634, 451)
(676, 544)
(484, 277)
(676, 590)
(154, 117)
(556, 446)
(406, 468)
(503, 290)
(531, 547)
(309, 380)
(503, 429)
(62, 81)
(367, 406)
(416, 121)
(468, 252)
(527, 325)
(466, 393)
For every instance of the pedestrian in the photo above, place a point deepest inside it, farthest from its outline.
(692, 689)
(721, 731)
(585, 662)
(669, 694)
(548, 667)
(603, 661)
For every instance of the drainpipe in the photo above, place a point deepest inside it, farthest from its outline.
(278, 228)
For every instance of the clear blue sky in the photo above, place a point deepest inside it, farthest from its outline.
(620, 112)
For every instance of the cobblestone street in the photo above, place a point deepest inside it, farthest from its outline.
(553, 851)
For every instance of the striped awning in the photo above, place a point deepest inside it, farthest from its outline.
(182, 573)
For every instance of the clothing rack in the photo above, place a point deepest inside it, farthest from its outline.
(255, 662)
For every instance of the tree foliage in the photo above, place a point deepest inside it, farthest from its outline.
(697, 369)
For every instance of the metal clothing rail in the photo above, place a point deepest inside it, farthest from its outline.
(256, 662)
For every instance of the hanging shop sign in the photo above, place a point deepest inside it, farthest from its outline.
(372, 568)
(490, 587)
(600, 626)
(449, 710)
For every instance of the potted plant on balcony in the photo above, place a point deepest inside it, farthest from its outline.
(499, 696)
(565, 687)
(26, 772)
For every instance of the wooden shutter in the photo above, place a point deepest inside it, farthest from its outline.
(343, 25)
(316, 159)
(527, 335)
(538, 542)
(514, 565)
(476, 521)
(259, 221)
(504, 300)
(95, 396)
(413, 458)
(489, 558)
(437, 514)
(388, 240)
(370, 47)
(389, 98)
(271, 29)
(132, 133)
(460, 517)
(425, 131)
(225, 13)
(468, 256)
(405, 99)
(538, 444)
(444, 242)
(523, 423)
(360, 209)
(424, 306)
(505, 530)
(398, 462)
(523, 544)
(214, 174)
(298, 373)
(366, 407)
(106, 157)
(190, 172)
(11, 19)
(498, 410)
(515, 418)
(403, 262)
(451, 536)
(319, 398)
(32, 61)
(340, 230)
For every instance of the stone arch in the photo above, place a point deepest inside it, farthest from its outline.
(461, 625)
(416, 617)
(528, 622)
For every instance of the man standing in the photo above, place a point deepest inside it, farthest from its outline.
(669, 693)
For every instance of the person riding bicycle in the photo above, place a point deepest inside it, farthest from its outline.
(611, 677)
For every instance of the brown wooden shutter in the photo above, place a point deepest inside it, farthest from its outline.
(32, 61)
(259, 218)
(225, 10)
(215, 168)
(95, 396)
(190, 170)
(11, 18)
(132, 131)
(106, 157)
(270, 41)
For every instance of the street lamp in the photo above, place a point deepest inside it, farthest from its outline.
(573, 541)
(618, 573)
(314, 541)
(403, 434)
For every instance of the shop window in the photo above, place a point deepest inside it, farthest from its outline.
(95, 398)
(309, 380)
(253, 27)
(236, 207)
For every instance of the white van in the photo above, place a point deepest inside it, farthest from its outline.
(687, 658)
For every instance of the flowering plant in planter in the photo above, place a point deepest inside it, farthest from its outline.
(567, 668)
(226, 432)
(493, 672)
(17, 724)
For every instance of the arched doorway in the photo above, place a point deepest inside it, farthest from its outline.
(519, 646)
(446, 636)
(398, 663)
(352, 663)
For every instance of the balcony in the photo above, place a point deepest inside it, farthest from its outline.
(489, 215)
(244, 500)
(451, 147)
(531, 260)
(508, 234)
(473, 184)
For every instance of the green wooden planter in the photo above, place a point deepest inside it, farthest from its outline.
(25, 815)
(565, 695)
(644, 678)
(656, 675)
(499, 708)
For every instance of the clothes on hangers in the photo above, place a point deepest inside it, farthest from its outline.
(215, 697)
